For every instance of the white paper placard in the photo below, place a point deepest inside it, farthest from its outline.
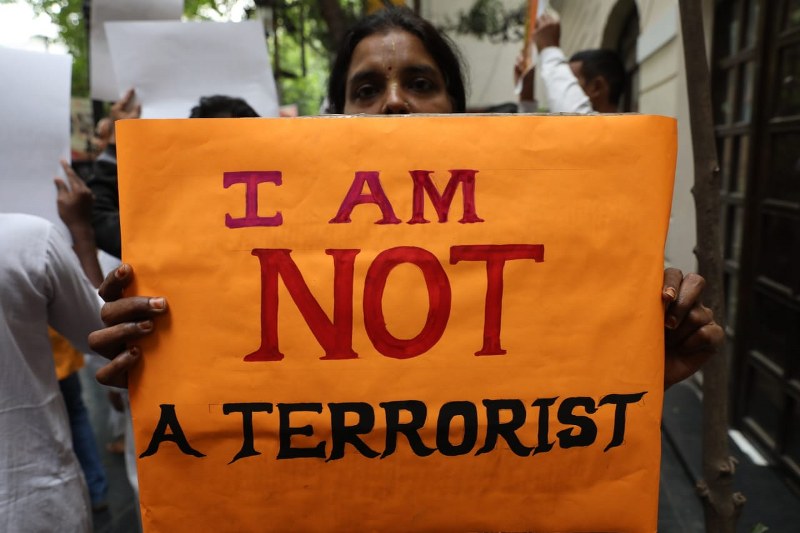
(103, 82)
(34, 137)
(172, 64)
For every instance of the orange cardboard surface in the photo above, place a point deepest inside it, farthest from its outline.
(421, 323)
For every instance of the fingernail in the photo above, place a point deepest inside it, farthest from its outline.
(158, 303)
(121, 271)
(670, 293)
(671, 322)
(145, 325)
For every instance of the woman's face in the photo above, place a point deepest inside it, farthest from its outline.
(393, 73)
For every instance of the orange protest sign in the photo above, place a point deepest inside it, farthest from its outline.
(442, 323)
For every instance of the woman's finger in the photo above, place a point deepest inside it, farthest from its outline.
(689, 357)
(132, 309)
(116, 282)
(669, 289)
(112, 340)
(709, 336)
(695, 319)
(115, 373)
(688, 295)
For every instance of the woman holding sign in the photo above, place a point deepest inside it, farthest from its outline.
(394, 62)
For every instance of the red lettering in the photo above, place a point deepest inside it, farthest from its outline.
(495, 257)
(251, 179)
(376, 196)
(439, 300)
(335, 337)
(441, 202)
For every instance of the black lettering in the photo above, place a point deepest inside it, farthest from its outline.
(247, 410)
(542, 444)
(588, 433)
(169, 420)
(621, 401)
(342, 434)
(507, 430)
(286, 450)
(447, 413)
(419, 413)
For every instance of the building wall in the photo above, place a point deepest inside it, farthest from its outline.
(490, 66)
(663, 92)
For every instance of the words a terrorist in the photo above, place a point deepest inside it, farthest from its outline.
(455, 431)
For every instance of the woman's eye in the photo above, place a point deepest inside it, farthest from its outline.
(422, 84)
(365, 92)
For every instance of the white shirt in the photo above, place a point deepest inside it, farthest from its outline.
(41, 282)
(564, 93)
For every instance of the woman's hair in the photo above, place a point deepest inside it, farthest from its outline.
(439, 46)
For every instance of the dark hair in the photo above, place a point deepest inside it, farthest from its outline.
(438, 46)
(605, 63)
(217, 105)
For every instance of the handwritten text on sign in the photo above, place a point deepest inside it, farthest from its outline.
(336, 336)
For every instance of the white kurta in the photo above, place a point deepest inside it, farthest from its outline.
(41, 282)
(564, 93)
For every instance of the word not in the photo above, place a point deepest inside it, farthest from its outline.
(336, 335)
(503, 418)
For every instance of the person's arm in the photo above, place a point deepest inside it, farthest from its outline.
(564, 93)
(73, 305)
(74, 208)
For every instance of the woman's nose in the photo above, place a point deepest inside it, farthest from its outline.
(395, 103)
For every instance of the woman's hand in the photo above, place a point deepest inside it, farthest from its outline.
(127, 319)
(691, 335)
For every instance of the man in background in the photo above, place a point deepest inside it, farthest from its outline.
(591, 81)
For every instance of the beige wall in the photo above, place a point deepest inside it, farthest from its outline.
(582, 23)
(490, 66)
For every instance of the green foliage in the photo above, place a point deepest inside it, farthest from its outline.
(760, 528)
(67, 15)
(307, 91)
(207, 9)
(305, 51)
(491, 19)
